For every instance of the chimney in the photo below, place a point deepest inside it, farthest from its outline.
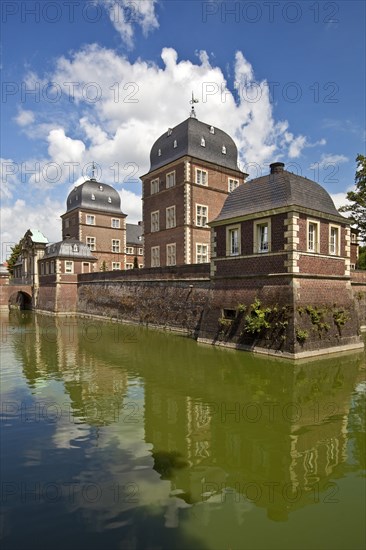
(276, 167)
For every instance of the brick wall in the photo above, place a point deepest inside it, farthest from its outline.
(251, 265)
(321, 266)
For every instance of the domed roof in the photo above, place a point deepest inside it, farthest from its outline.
(94, 195)
(276, 190)
(196, 139)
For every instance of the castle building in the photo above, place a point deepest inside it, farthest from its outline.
(134, 246)
(193, 168)
(94, 217)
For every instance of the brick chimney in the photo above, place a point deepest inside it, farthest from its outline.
(277, 167)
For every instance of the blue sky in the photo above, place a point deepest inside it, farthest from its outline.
(100, 80)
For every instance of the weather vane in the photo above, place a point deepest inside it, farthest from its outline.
(192, 102)
(93, 171)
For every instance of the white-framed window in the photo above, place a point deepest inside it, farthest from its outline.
(141, 266)
(171, 258)
(140, 252)
(90, 219)
(93, 197)
(175, 144)
(201, 215)
(75, 248)
(116, 245)
(212, 130)
(109, 199)
(203, 142)
(155, 256)
(129, 266)
(115, 266)
(201, 176)
(223, 150)
(201, 253)
(115, 223)
(232, 184)
(170, 217)
(233, 242)
(170, 179)
(129, 249)
(69, 266)
(353, 266)
(353, 238)
(91, 243)
(262, 236)
(154, 186)
(313, 236)
(155, 221)
(334, 240)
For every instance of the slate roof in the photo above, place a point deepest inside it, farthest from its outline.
(134, 234)
(36, 236)
(277, 190)
(188, 136)
(69, 248)
(106, 198)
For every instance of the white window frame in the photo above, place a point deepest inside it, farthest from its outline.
(200, 255)
(229, 248)
(258, 247)
(315, 247)
(116, 266)
(199, 173)
(129, 266)
(155, 223)
(170, 179)
(116, 246)
(155, 256)
(203, 142)
(140, 251)
(223, 150)
(171, 253)
(232, 184)
(154, 186)
(336, 250)
(92, 244)
(200, 217)
(69, 267)
(90, 219)
(170, 219)
(129, 249)
(116, 223)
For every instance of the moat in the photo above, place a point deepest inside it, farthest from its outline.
(120, 437)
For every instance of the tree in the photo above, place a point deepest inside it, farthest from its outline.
(361, 264)
(357, 198)
(135, 263)
(15, 253)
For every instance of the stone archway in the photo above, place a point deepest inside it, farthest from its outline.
(20, 300)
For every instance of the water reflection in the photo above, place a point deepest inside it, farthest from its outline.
(176, 435)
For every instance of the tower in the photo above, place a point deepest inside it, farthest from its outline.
(193, 168)
(94, 216)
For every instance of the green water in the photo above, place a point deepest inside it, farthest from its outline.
(119, 437)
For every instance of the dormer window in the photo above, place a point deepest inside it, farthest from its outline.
(159, 152)
(101, 187)
(93, 197)
(175, 144)
(223, 150)
(203, 142)
(75, 248)
(169, 132)
(109, 199)
(212, 130)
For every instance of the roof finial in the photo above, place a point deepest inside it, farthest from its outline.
(192, 102)
(93, 172)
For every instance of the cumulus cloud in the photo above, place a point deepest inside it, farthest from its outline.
(131, 205)
(24, 118)
(126, 16)
(327, 160)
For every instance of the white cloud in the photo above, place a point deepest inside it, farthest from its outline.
(131, 205)
(17, 218)
(340, 199)
(24, 118)
(64, 149)
(327, 160)
(126, 15)
(9, 178)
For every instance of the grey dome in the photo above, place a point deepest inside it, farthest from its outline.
(69, 248)
(276, 190)
(94, 195)
(188, 135)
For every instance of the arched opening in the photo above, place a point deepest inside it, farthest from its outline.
(20, 300)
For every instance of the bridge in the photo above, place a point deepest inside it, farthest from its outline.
(15, 294)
